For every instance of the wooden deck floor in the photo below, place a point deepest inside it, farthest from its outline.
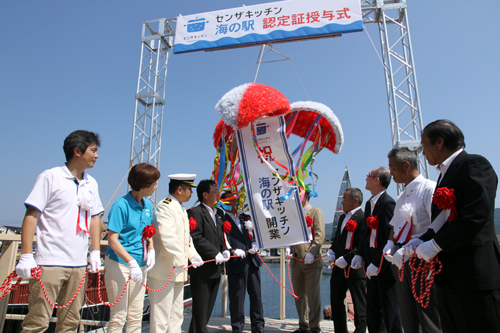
(223, 324)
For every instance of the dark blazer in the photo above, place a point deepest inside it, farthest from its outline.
(339, 240)
(208, 240)
(471, 254)
(384, 210)
(240, 240)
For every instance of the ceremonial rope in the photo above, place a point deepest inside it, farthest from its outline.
(36, 273)
(347, 270)
(6, 285)
(291, 292)
(427, 272)
(99, 291)
(401, 272)
(426, 269)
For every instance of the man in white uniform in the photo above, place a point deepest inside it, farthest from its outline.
(412, 218)
(64, 208)
(173, 247)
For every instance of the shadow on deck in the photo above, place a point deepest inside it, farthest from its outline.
(223, 324)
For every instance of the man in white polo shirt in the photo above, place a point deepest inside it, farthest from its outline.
(63, 208)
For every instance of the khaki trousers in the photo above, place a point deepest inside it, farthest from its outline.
(60, 283)
(129, 309)
(167, 306)
(306, 284)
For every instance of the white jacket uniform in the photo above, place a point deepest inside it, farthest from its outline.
(172, 241)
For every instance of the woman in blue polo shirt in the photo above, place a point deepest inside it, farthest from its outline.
(127, 219)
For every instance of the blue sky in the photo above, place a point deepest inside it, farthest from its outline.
(67, 65)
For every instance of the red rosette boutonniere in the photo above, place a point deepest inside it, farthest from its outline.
(372, 223)
(148, 232)
(309, 222)
(445, 198)
(350, 226)
(226, 226)
(192, 224)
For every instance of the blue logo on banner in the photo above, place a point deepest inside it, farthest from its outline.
(196, 25)
(261, 129)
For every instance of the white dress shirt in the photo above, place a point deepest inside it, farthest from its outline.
(418, 194)
(373, 201)
(348, 217)
(212, 212)
(443, 167)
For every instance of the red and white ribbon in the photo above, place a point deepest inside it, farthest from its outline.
(85, 203)
(309, 222)
(350, 227)
(404, 234)
(82, 224)
(372, 222)
(148, 232)
(373, 238)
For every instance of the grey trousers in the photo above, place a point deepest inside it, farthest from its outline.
(306, 284)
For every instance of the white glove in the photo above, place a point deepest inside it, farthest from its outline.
(341, 263)
(330, 255)
(389, 258)
(227, 255)
(309, 258)
(150, 260)
(389, 248)
(428, 250)
(135, 271)
(287, 252)
(356, 262)
(197, 261)
(240, 253)
(398, 257)
(371, 271)
(179, 268)
(95, 261)
(219, 259)
(25, 264)
(254, 248)
(412, 245)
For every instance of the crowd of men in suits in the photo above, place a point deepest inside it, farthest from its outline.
(452, 220)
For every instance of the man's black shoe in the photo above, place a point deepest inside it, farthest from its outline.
(300, 330)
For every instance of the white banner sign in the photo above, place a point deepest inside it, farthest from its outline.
(257, 24)
(277, 222)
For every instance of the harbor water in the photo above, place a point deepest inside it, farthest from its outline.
(271, 294)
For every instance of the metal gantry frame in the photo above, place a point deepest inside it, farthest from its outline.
(157, 41)
(400, 76)
(397, 59)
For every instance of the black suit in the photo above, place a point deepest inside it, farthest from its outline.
(356, 283)
(244, 276)
(208, 240)
(470, 278)
(382, 312)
